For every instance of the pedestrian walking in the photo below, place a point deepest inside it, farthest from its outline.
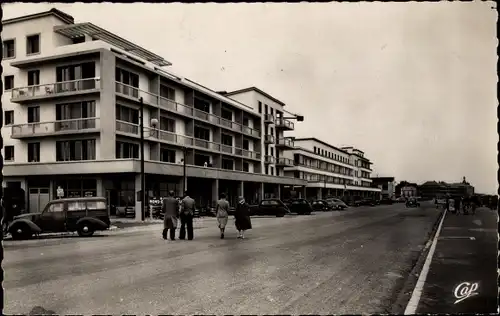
(187, 213)
(242, 218)
(222, 212)
(170, 209)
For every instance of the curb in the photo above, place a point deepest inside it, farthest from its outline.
(404, 295)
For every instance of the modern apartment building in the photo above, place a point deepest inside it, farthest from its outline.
(330, 171)
(387, 185)
(72, 105)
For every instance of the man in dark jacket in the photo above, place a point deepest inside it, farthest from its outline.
(187, 213)
(170, 208)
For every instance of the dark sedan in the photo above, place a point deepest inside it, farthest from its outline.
(412, 202)
(321, 206)
(300, 207)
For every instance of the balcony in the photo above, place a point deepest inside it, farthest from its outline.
(286, 142)
(268, 119)
(284, 124)
(269, 159)
(181, 109)
(268, 139)
(285, 162)
(62, 127)
(55, 90)
(181, 140)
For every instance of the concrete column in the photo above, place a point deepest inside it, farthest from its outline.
(304, 192)
(107, 108)
(261, 189)
(100, 188)
(241, 189)
(215, 191)
(138, 209)
(279, 191)
(180, 187)
(319, 195)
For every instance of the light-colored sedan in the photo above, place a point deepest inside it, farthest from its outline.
(336, 204)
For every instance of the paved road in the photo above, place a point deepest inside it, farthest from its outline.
(348, 262)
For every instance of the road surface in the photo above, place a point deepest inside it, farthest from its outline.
(348, 262)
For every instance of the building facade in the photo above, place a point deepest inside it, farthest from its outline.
(72, 100)
(387, 186)
(330, 171)
(432, 189)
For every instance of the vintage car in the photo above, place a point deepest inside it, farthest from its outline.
(84, 215)
(412, 202)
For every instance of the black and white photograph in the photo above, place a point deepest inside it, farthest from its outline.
(260, 158)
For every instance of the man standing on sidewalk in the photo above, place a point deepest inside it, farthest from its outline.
(187, 213)
(170, 209)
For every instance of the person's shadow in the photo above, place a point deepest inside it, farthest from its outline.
(39, 310)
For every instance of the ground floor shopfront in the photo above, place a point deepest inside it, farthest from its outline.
(121, 185)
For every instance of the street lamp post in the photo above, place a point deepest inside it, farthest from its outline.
(184, 175)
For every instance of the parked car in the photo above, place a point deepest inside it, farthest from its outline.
(401, 199)
(270, 207)
(321, 206)
(84, 215)
(336, 204)
(301, 207)
(365, 202)
(412, 202)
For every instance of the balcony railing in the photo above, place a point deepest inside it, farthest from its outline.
(53, 89)
(285, 162)
(284, 123)
(269, 118)
(181, 140)
(269, 139)
(55, 127)
(286, 142)
(269, 159)
(173, 106)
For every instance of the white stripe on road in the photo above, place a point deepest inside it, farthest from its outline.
(411, 308)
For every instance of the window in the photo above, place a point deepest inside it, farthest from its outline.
(9, 117)
(9, 48)
(55, 208)
(33, 77)
(227, 140)
(265, 109)
(126, 114)
(202, 133)
(167, 92)
(227, 164)
(75, 150)
(201, 160)
(167, 155)
(167, 124)
(246, 121)
(76, 72)
(272, 151)
(96, 205)
(272, 111)
(33, 44)
(76, 206)
(33, 114)
(33, 152)
(272, 171)
(315, 149)
(260, 107)
(246, 167)
(246, 144)
(8, 82)
(226, 114)
(9, 153)
(202, 105)
(127, 150)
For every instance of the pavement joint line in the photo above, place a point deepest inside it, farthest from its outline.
(411, 308)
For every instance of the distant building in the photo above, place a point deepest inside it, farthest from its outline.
(404, 187)
(387, 185)
(409, 191)
(431, 189)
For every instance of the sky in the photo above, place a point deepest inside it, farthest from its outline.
(413, 85)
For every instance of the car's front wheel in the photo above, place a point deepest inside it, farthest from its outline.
(21, 231)
(85, 229)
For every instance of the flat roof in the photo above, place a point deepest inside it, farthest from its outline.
(96, 32)
(321, 142)
(54, 12)
(257, 90)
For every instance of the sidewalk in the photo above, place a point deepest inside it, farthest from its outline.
(466, 251)
(125, 223)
